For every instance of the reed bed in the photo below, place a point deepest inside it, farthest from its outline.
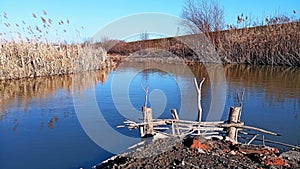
(32, 59)
(277, 44)
(30, 54)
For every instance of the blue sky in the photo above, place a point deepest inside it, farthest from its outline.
(91, 15)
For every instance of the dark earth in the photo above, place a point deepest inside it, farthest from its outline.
(198, 152)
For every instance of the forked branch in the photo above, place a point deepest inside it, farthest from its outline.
(198, 89)
(146, 89)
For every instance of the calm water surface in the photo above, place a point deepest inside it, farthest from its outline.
(39, 127)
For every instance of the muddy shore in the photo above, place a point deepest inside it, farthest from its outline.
(198, 152)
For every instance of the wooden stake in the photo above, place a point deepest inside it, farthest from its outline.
(174, 114)
(234, 117)
(174, 124)
(141, 128)
(146, 93)
(173, 128)
(252, 139)
(198, 89)
(147, 118)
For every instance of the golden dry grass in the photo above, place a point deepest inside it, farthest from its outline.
(30, 54)
(267, 45)
(277, 44)
(32, 59)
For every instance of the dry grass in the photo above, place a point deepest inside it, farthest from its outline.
(277, 44)
(267, 45)
(32, 59)
(31, 55)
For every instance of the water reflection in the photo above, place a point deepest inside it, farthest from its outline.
(277, 83)
(15, 125)
(272, 97)
(20, 93)
(41, 111)
(52, 121)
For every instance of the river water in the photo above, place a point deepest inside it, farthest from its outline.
(70, 121)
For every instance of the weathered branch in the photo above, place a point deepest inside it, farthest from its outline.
(198, 89)
(194, 125)
(275, 142)
(146, 93)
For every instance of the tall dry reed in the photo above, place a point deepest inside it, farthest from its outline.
(36, 56)
(32, 59)
(277, 44)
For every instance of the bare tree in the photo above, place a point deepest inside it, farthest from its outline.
(203, 16)
(144, 36)
(107, 43)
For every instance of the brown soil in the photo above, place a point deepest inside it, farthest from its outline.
(202, 153)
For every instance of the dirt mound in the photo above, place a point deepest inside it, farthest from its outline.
(199, 152)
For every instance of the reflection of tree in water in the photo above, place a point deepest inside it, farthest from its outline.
(66, 114)
(52, 121)
(277, 83)
(15, 125)
(147, 72)
(19, 93)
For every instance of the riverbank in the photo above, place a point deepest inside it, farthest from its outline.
(35, 59)
(199, 152)
(276, 44)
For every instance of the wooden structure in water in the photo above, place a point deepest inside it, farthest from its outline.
(177, 127)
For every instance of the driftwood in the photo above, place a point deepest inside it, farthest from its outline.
(273, 142)
(252, 139)
(146, 89)
(197, 125)
(175, 126)
(198, 89)
(174, 114)
(180, 127)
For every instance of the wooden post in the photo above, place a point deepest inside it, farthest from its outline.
(234, 117)
(198, 89)
(147, 129)
(174, 124)
(174, 114)
(141, 128)
(173, 128)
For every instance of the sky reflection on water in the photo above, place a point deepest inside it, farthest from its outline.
(39, 126)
